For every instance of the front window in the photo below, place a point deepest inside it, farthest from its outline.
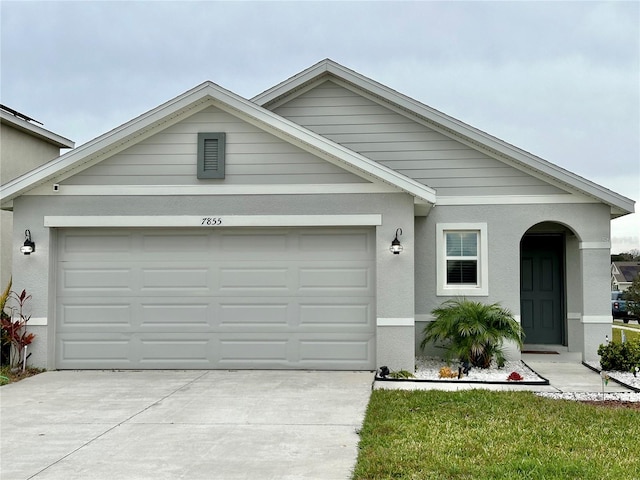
(462, 259)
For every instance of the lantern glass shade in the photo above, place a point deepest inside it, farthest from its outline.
(29, 246)
(396, 246)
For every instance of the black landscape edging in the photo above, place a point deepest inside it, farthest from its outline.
(619, 382)
(473, 382)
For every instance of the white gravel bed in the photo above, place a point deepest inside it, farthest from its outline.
(592, 396)
(428, 368)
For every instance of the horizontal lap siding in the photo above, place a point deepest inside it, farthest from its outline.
(252, 157)
(406, 146)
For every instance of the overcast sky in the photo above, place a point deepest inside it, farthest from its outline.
(558, 79)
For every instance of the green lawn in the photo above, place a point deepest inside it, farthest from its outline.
(480, 434)
(616, 334)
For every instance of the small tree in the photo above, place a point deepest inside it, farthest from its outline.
(632, 296)
(473, 332)
(630, 256)
(5, 345)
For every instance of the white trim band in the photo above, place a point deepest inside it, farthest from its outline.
(513, 199)
(166, 190)
(395, 322)
(594, 245)
(213, 221)
(37, 322)
(597, 319)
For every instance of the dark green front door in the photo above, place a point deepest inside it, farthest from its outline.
(542, 288)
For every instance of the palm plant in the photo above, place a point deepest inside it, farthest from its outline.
(473, 332)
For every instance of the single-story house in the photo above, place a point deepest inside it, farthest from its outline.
(623, 274)
(219, 232)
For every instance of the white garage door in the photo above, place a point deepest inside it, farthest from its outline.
(215, 298)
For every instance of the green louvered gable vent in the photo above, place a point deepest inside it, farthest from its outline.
(211, 155)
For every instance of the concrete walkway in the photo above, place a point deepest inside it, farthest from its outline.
(192, 425)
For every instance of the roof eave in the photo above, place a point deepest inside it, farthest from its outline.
(450, 126)
(35, 131)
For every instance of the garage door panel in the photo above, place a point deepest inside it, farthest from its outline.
(333, 315)
(240, 245)
(175, 278)
(254, 315)
(248, 279)
(335, 245)
(175, 316)
(253, 352)
(77, 351)
(335, 278)
(177, 352)
(337, 351)
(283, 298)
(81, 244)
(93, 313)
(162, 243)
(96, 278)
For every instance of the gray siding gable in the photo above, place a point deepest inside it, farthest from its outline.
(252, 157)
(407, 146)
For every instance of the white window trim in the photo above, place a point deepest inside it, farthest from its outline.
(482, 289)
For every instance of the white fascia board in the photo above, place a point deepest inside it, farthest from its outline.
(453, 128)
(35, 130)
(569, 198)
(287, 86)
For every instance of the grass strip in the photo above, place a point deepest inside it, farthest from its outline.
(8, 376)
(616, 334)
(482, 434)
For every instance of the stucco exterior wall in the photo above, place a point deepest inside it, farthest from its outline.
(587, 261)
(394, 273)
(20, 152)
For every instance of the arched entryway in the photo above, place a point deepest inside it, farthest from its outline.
(543, 284)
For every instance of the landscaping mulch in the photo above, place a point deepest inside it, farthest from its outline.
(613, 404)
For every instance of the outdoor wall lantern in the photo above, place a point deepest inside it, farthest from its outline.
(396, 247)
(29, 246)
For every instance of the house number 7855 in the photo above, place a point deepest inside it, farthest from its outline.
(211, 221)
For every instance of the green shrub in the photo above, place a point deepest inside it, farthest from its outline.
(473, 332)
(622, 357)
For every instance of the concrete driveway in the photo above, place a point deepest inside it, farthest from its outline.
(182, 424)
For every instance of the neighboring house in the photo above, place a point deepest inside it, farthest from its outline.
(219, 232)
(623, 274)
(24, 145)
